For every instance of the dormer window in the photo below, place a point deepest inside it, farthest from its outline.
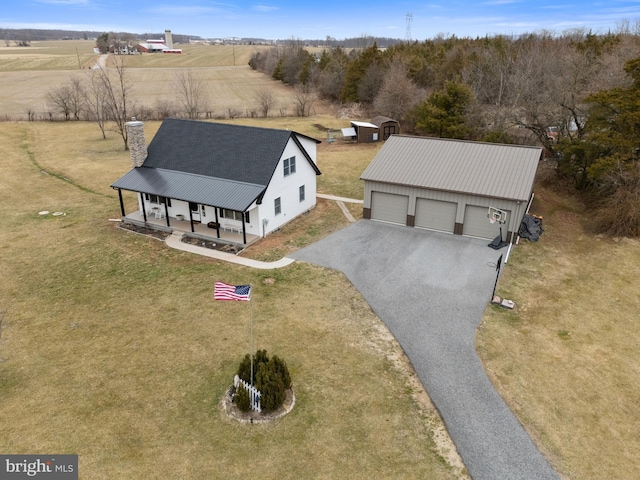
(289, 166)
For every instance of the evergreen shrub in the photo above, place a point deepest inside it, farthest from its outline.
(270, 376)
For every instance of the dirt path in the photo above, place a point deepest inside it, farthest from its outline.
(102, 62)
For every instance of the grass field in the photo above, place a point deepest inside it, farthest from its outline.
(28, 73)
(566, 359)
(78, 54)
(113, 348)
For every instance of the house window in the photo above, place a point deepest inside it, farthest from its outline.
(157, 199)
(277, 207)
(301, 193)
(246, 217)
(233, 214)
(289, 166)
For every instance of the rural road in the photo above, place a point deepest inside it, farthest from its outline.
(431, 290)
(101, 63)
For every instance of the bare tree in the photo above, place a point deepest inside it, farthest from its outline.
(67, 98)
(95, 97)
(266, 99)
(115, 86)
(398, 93)
(303, 102)
(77, 96)
(165, 108)
(59, 98)
(191, 92)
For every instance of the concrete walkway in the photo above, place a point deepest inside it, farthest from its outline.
(341, 203)
(175, 241)
(338, 199)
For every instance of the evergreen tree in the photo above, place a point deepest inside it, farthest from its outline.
(356, 70)
(605, 160)
(443, 113)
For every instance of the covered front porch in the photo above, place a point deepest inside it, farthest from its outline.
(200, 230)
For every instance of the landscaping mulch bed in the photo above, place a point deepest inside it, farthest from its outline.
(161, 235)
(157, 234)
(223, 247)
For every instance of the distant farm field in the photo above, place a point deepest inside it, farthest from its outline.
(28, 73)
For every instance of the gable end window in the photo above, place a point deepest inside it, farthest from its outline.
(301, 193)
(277, 207)
(289, 166)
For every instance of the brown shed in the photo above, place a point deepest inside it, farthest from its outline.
(386, 126)
(366, 132)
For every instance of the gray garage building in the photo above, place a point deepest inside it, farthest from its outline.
(449, 185)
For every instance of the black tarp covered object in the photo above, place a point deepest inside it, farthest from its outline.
(530, 228)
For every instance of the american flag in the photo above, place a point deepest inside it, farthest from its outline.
(223, 291)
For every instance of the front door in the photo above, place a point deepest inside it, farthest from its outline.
(195, 211)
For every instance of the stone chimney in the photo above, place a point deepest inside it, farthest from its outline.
(137, 145)
(168, 41)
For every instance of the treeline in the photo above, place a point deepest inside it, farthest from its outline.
(573, 94)
(27, 35)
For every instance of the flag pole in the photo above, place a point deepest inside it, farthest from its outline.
(251, 333)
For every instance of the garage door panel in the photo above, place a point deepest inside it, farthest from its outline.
(389, 207)
(476, 223)
(436, 214)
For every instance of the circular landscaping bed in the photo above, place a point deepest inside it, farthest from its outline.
(232, 410)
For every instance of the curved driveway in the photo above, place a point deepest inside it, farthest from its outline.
(431, 290)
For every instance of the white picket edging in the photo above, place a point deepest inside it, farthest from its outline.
(254, 393)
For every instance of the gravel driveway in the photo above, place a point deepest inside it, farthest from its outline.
(431, 290)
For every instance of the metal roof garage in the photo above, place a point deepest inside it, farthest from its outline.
(449, 185)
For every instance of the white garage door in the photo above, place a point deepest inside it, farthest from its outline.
(389, 207)
(436, 215)
(476, 223)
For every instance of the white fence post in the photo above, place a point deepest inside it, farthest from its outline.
(254, 394)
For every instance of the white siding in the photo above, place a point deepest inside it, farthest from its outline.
(288, 188)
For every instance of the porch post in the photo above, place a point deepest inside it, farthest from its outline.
(244, 230)
(166, 212)
(144, 207)
(121, 202)
(215, 211)
(191, 219)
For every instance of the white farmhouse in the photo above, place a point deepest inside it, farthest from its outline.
(230, 182)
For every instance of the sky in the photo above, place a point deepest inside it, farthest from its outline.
(319, 19)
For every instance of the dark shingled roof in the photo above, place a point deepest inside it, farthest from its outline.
(228, 166)
(231, 152)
